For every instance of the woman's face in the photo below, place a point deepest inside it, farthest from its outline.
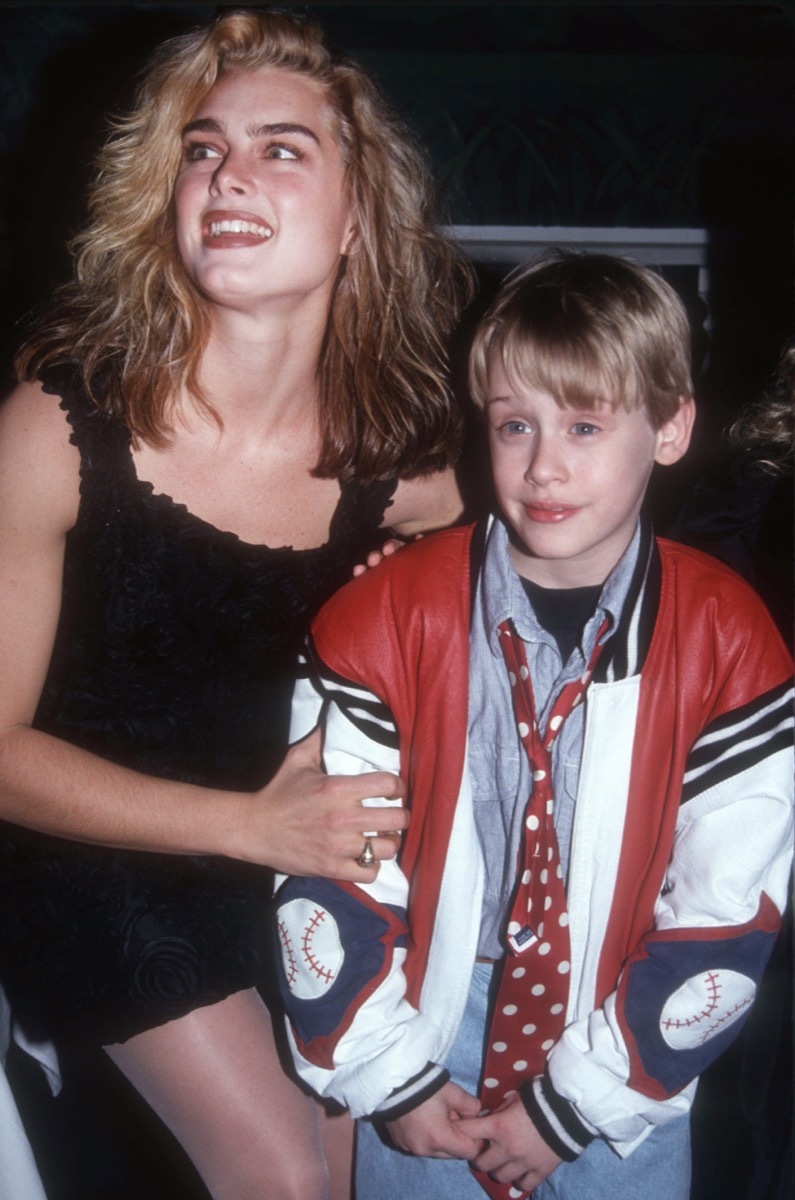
(262, 207)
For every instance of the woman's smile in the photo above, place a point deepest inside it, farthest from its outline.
(230, 228)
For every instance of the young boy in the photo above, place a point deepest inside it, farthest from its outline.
(523, 1000)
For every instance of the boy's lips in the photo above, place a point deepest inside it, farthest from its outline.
(234, 228)
(550, 514)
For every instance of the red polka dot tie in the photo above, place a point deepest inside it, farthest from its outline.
(530, 1008)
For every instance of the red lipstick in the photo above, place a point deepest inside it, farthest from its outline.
(225, 228)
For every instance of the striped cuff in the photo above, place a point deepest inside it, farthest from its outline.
(412, 1093)
(555, 1119)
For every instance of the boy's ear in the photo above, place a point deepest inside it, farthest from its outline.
(673, 438)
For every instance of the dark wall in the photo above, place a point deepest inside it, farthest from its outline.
(538, 114)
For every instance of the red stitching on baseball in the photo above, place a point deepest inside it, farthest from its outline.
(713, 986)
(726, 1016)
(291, 966)
(306, 940)
(712, 982)
(681, 1023)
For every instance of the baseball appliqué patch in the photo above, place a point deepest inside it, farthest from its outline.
(312, 953)
(704, 1006)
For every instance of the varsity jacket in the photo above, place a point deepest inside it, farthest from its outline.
(680, 854)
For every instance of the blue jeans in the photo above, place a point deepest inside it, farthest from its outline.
(660, 1167)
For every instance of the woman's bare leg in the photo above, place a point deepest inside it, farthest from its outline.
(337, 1134)
(215, 1080)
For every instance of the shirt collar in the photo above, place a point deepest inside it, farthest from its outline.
(503, 598)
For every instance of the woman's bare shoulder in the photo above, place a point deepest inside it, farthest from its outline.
(39, 466)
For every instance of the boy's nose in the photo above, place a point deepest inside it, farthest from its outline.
(546, 462)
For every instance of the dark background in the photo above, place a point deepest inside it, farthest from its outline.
(534, 114)
(672, 115)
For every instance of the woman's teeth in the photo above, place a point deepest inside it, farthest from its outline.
(218, 228)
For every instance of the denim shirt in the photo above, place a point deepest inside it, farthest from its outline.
(499, 771)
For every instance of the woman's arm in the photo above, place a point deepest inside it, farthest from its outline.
(304, 821)
(425, 503)
(419, 506)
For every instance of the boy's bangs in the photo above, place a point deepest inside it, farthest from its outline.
(588, 330)
(572, 370)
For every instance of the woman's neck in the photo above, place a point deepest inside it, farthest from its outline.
(262, 373)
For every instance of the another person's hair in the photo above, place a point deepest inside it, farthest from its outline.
(766, 428)
(587, 329)
(137, 326)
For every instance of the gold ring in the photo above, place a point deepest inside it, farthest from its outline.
(366, 858)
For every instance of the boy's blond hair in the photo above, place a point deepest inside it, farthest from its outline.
(588, 328)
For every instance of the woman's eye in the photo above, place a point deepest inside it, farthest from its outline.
(281, 152)
(196, 151)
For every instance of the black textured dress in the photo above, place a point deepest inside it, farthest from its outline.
(174, 656)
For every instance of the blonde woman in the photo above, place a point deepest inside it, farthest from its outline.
(243, 387)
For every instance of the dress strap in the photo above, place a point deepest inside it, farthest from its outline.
(362, 507)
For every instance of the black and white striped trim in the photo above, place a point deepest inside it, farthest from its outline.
(303, 668)
(365, 711)
(740, 740)
(628, 644)
(555, 1119)
(413, 1093)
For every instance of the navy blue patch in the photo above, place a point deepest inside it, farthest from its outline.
(367, 937)
(654, 979)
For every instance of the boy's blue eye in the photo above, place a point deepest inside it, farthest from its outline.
(515, 427)
(584, 429)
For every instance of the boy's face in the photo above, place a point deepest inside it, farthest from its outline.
(570, 482)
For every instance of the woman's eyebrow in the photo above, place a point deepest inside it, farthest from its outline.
(279, 127)
(268, 129)
(202, 125)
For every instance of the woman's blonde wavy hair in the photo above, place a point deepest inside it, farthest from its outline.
(137, 325)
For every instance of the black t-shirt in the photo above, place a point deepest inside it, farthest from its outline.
(563, 612)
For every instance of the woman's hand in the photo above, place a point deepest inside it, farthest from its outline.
(310, 823)
(377, 556)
